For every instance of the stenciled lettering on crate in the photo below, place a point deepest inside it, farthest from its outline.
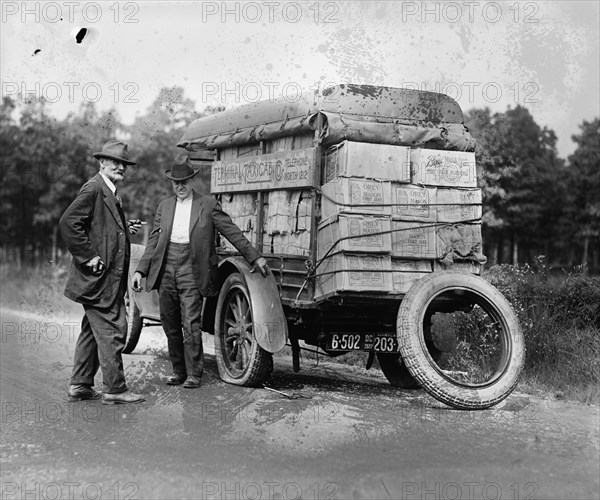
(458, 205)
(354, 233)
(366, 160)
(352, 195)
(353, 272)
(408, 272)
(443, 168)
(282, 169)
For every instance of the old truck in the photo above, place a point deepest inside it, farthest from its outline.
(364, 202)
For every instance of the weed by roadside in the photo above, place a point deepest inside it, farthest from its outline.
(36, 289)
(560, 318)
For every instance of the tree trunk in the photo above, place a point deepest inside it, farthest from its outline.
(500, 249)
(584, 258)
(515, 249)
(571, 256)
(54, 241)
(20, 256)
(494, 254)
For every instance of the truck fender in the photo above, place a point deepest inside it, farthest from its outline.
(270, 324)
(147, 302)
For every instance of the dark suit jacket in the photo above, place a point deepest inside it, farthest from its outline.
(93, 226)
(206, 216)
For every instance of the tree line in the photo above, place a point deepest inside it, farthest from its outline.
(535, 204)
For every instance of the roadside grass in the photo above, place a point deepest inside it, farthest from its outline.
(560, 318)
(36, 289)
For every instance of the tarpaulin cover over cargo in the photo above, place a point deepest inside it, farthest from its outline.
(362, 113)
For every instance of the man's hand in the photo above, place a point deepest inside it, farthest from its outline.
(95, 265)
(134, 225)
(136, 282)
(261, 265)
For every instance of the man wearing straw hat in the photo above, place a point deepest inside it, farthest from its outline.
(180, 261)
(97, 235)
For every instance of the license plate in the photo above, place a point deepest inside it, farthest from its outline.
(379, 342)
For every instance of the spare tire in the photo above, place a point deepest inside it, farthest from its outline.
(490, 355)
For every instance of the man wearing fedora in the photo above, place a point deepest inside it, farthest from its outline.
(180, 261)
(97, 235)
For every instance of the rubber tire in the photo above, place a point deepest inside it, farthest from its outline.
(134, 324)
(419, 362)
(395, 370)
(393, 367)
(260, 364)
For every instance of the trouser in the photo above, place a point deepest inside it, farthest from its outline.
(181, 311)
(100, 344)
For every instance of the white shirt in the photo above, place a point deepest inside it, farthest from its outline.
(109, 183)
(181, 221)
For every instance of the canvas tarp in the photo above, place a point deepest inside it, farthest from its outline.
(361, 113)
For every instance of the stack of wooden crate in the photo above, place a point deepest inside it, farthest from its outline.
(242, 208)
(388, 214)
(391, 214)
(274, 184)
(288, 222)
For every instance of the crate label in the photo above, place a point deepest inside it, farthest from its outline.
(365, 271)
(284, 169)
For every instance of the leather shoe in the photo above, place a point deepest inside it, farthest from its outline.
(122, 398)
(176, 379)
(79, 392)
(192, 382)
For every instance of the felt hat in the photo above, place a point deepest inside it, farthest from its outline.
(182, 169)
(115, 150)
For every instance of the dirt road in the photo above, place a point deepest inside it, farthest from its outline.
(357, 437)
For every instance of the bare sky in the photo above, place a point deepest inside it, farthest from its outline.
(543, 55)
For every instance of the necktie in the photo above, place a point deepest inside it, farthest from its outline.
(120, 207)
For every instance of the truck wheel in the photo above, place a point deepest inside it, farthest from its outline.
(241, 361)
(393, 366)
(134, 324)
(395, 370)
(487, 361)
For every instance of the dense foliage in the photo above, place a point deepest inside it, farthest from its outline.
(560, 318)
(534, 203)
